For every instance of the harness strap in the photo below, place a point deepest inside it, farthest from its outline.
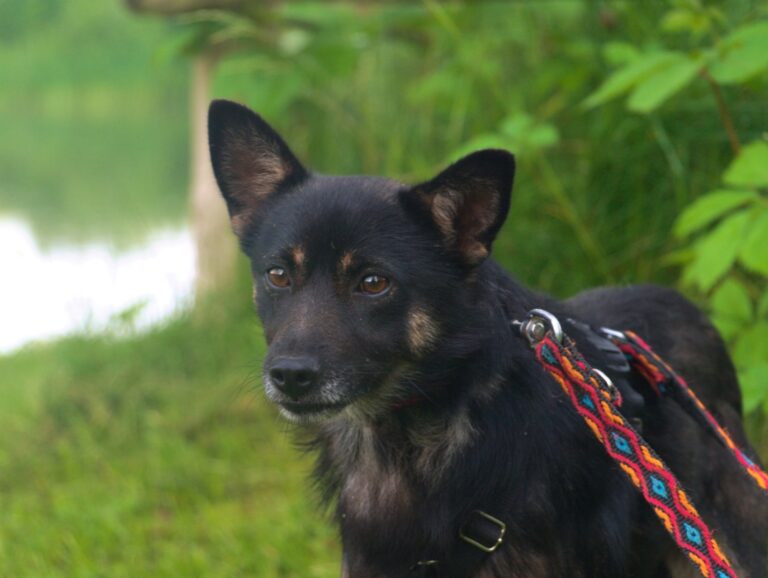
(593, 398)
(665, 381)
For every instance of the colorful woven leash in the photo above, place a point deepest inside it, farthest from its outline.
(594, 397)
(664, 381)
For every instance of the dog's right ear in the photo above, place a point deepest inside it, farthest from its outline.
(250, 161)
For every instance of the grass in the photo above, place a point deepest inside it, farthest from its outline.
(152, 456)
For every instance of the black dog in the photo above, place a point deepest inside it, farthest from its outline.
(391, 342)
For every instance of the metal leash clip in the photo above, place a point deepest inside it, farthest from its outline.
(541, 322)
(613, 334)
(538, 323)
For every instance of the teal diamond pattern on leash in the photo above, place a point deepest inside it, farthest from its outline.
(660, 489)
(692, 534)
(621, 443)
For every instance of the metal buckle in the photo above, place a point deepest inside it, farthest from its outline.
(488, 549)
(613, 334)
(425, 568)
(538, 323)
(613, 391)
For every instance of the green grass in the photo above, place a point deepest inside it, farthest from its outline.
(153, 456)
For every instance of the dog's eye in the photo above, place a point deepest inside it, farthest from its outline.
(278, 277)
(374, 285)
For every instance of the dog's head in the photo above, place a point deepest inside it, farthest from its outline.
(354, 277)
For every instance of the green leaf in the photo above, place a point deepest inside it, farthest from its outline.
(728, 328)
(750, 168)
(710, 207)
(743, 54)
(752, 346)
(517, 125)
(519, 132)
(762, 305)
(543, 136)
(618, 53)
(686, 20)
(678, 257)
(754, 31)
(754, 385)
(731, 301)
(740, 65)
(625, 78)
(662, 84)
(717, 251)
(677, 20)
(180, 43)
(754, 252)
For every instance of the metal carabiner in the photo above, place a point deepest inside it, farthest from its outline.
(538, 323)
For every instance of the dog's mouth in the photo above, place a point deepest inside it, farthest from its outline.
(336, 398)
(317, 406)
(304, 412)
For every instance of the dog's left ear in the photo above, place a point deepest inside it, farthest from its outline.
(468, 202)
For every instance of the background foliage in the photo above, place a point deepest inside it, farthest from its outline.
(639, 130)
(725, 231)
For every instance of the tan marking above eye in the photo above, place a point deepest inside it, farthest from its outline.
(374, 284)
(278, 278)
(298, 255)
(346, 260)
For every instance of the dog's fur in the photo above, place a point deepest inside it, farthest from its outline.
(488, 430)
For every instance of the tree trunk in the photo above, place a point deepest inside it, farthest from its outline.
(214, 240)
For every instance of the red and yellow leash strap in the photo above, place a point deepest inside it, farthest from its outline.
(664, 381)
(592, 396)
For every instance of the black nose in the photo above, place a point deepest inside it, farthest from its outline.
(294, 376)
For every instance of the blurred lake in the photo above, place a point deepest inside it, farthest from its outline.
(93, 174)
(53, 291)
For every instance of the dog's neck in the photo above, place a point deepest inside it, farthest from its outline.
(389, 460)
(418, 471)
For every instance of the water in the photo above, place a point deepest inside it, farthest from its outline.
(45, 293)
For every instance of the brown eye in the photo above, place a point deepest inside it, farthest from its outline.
(278, 277)
(374, 284)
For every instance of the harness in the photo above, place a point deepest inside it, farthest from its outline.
(597, 400)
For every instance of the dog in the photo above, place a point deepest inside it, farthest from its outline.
(392, 346)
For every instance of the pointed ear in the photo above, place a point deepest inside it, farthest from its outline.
(250, 160)
(468, 202)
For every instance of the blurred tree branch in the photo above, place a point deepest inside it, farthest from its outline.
(176, 7)
(173, 7)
